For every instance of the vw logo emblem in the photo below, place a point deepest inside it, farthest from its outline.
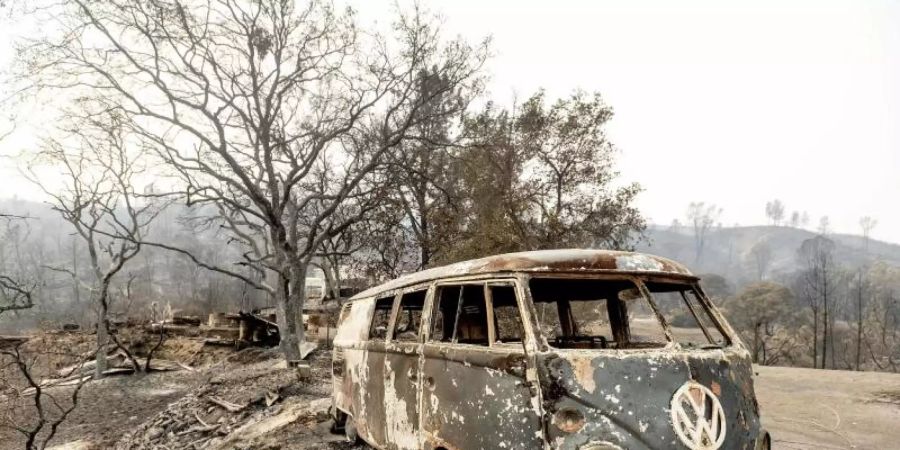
(697, 417)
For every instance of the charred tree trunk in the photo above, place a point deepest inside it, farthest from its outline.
(756, 343)
(331, 284)
(76, 288)
(824, 320)
(815, 337)
(289, 300)
(859, 320)
(102, 340)
(107, 324)
(102, 312)
(287, 313)
(424, 232)
(289, 295)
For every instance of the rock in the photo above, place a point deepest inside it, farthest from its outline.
(155, 433)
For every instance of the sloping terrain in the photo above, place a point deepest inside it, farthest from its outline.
(727, 249)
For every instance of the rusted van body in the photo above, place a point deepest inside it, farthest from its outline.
(563, 349)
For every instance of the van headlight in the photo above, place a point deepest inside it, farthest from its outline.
(600, 446)
(568, 420)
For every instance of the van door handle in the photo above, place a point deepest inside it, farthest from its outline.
(412, 374)
(429, 383)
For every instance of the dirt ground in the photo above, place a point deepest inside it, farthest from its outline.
(278, 408)
(829, 409)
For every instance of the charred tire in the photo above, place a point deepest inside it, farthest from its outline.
(765, 443)
(350, 431)
(338, 421)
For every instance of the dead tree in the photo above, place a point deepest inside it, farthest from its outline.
(20, 389)
(15, 293)
(276, 112)
(860, 289)
(867, 223)
(98, 199)
(761, 254)
(332, 256)
(47, 405)
(702, 217)
(819, 286)
(881, 334)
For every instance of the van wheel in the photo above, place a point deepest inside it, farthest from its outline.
(338, 421)
(350, 431)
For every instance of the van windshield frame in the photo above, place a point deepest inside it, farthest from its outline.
(621, 329)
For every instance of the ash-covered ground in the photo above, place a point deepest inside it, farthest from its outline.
(249, 399)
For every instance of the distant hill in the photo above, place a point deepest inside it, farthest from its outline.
(727, 251)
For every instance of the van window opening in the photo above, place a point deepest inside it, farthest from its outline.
(594, 314)
(460, 315)
(409, 316)
(612, 314)
(381, 319)
(507, 317)
(690, 323)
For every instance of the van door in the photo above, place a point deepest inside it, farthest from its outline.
(401, 373)
(475, 391)
(370, 420)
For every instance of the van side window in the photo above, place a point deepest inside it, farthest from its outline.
(354, 316)
(409, 316)
(382, 318)
(507, 320)
(460, 315)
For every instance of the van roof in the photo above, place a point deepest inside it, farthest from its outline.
(561, 260)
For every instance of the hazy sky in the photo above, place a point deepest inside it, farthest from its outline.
(734, 103)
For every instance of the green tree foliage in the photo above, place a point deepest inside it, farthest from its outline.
(536, 176)
(542, 176)
(757, 312)
(717, 287)
(426, 195)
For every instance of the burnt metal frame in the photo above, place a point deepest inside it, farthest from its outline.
(526, 303)
(689, 282)
(486, 283)
(694, 313)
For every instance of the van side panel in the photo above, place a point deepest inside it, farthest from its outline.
(371, 420)
(350, 362)
(401, 396)
(477, 398)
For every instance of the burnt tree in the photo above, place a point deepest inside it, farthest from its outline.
(278, 113)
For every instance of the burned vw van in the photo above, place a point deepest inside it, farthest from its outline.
(563, 349)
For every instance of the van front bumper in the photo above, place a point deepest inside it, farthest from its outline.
(600, 446)
(763, 443)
